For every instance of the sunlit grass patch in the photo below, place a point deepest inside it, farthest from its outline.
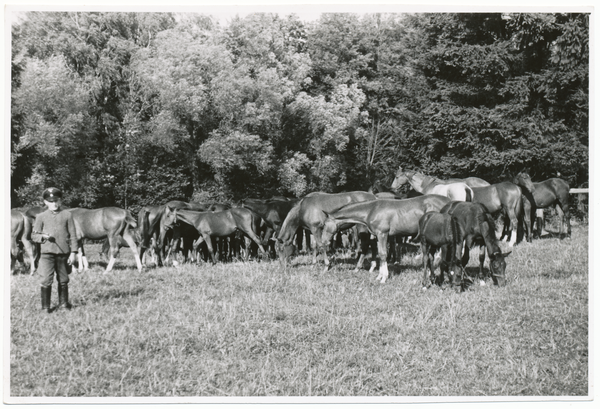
(255, 329)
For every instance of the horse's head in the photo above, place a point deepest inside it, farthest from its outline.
(524, 180)
(498, 268)
(330, 228)
(456, 273)
(400, 179)
(169, 218)
(285, 251)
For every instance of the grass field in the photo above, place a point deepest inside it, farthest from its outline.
(251, 329)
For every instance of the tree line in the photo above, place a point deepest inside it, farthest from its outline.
(130, 109)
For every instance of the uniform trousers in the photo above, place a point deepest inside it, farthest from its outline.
(51, 263)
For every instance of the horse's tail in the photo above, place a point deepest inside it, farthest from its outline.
(469, 194)
(456, 239)
(130, 220)
(144, 216)
(255, 221)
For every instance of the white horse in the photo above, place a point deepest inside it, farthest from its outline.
(429, 185)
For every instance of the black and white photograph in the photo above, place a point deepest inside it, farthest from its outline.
(299, 203)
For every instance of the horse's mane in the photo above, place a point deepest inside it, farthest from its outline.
(290, 224)
(487, 228)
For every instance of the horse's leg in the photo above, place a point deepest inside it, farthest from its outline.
(250, 233)
(541, 221)
(427, 270)
(482, 251)
(444, 257)
(29, 252)
(565, 218)
(361, 259)
(315, 249)
(248, 244)
(83, 264)
(392, 249)
(514, 225)
(527, 219)
(373, 245)
(209, 245)
(382, 239)
(196, 245)
(465, 256)
(320, 246)
(114, 249)
(134, 249)
(362, 249)
(14, 253)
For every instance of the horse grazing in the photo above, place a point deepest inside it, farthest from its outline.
(215, 224)
(384, 218)
(20, 228)
(152, 229)
(540, 195)
(440, 231)
(477, 227)
(309, 213)
(110, 223)
(273, 212)
(503, 197)
(429, 185)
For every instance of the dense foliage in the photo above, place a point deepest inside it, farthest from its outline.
(130, 109)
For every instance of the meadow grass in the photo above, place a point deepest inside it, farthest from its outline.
(252, 329)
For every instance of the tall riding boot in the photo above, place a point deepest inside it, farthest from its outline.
(63, 297)
(46, 296)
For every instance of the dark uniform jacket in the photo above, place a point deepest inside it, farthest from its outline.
(59, 225)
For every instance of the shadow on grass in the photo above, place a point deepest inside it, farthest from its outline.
(112, 294)
(101, 265)
(550, 235)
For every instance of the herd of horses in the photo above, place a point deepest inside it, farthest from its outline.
(452, 216)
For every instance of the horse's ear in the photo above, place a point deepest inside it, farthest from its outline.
(506, 254)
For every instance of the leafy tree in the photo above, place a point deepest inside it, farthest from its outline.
(491, 110)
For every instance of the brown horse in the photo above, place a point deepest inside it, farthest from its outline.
(309, 213)
(21, 226)
(440, 231)
(429, 185)
(152, 229)
(477, 227)
(540, 195)
(215, 224)
(110, 223)
(383, 218)
(503, 197)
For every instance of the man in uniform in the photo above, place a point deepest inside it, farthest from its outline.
(55, 230)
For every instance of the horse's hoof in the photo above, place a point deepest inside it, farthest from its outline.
(481, 283)
(424, 288)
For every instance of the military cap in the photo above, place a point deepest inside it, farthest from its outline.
(52, 194)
